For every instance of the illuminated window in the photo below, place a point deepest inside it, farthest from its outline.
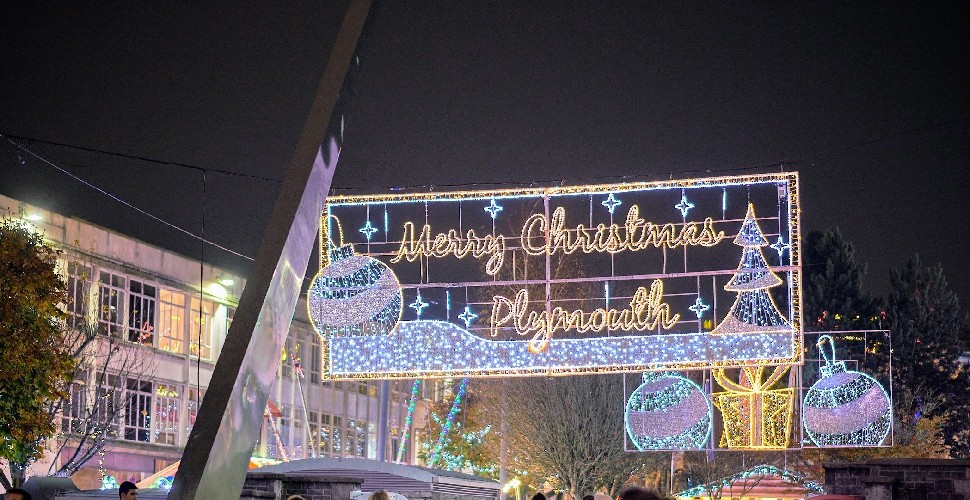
(338, 445)
(111, 302)
(141, 312)
(138, 410)
(325, 441)
(314, 424)
(171, 321)
(200, 340)
(167, 399)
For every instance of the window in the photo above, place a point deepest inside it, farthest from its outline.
(200, 340)
(138, 410)
(338, 447)
(108, 402)
(78, 285)
(141, 312)
(288, 358)
(356, 438)
(195, 399)
(325, 441)
(314, 432)
(111, 301)
(167, 399)
(299, 435)
(73, 414)
(171, 321)
(315, 352)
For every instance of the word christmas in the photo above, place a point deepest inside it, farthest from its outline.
(634, 234)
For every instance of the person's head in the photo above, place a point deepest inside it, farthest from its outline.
(638, 494)
(379, 495)
(589, 497)
(16, 494)
(538, 496)
(127, 491)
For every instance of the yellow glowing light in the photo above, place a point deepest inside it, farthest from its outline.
(451, 243)
(646, 311)
(632, 233)
(754, 414)
(635, 234)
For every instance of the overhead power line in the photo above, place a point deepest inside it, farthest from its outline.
(139, 158)
(30, 152)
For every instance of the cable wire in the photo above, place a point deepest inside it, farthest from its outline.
(119, 200)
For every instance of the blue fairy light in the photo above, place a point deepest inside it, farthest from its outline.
(494, 208)
(699, 307)
(418, 305)
(468, 316)
(368, 230)
(684, 206)
(611, 203)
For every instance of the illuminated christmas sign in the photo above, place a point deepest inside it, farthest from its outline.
(696, 273)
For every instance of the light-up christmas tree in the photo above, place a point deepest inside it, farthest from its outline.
(753, 311)
(756, 412)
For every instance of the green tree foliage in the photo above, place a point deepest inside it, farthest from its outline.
(37, 363)
(926, 325)
(470, 445)
(832, 284)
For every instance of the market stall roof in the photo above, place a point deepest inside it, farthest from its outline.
(761, 481)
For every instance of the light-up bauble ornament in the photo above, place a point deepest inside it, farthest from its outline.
(354, 295)
(667, 412)
(844, 407)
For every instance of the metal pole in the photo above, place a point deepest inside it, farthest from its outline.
(385, 403)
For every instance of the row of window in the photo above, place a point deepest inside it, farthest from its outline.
(130, 408)
(144, 312)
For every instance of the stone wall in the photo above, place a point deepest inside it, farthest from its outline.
(274, 485)
(900, 479)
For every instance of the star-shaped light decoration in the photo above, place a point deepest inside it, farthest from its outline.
(699, 307)
(684, 206)
(611, 203)
(418, 305)
(368, 230)
(468, 316)
(494, 208)
(780, 247)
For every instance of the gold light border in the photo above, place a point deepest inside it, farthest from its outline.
(794, 217)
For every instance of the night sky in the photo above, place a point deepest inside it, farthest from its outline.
(869, 102)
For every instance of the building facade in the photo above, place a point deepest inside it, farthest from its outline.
(163, 318)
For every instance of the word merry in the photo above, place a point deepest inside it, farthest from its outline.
(451, 243)
(646, 311)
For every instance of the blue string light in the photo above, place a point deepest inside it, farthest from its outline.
(684, 206)
(494, 209)
(611, 203)
(468, 316)
(368, 230)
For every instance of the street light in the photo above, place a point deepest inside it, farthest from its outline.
(513, 484)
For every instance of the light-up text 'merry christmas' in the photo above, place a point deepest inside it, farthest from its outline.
(635, 234)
